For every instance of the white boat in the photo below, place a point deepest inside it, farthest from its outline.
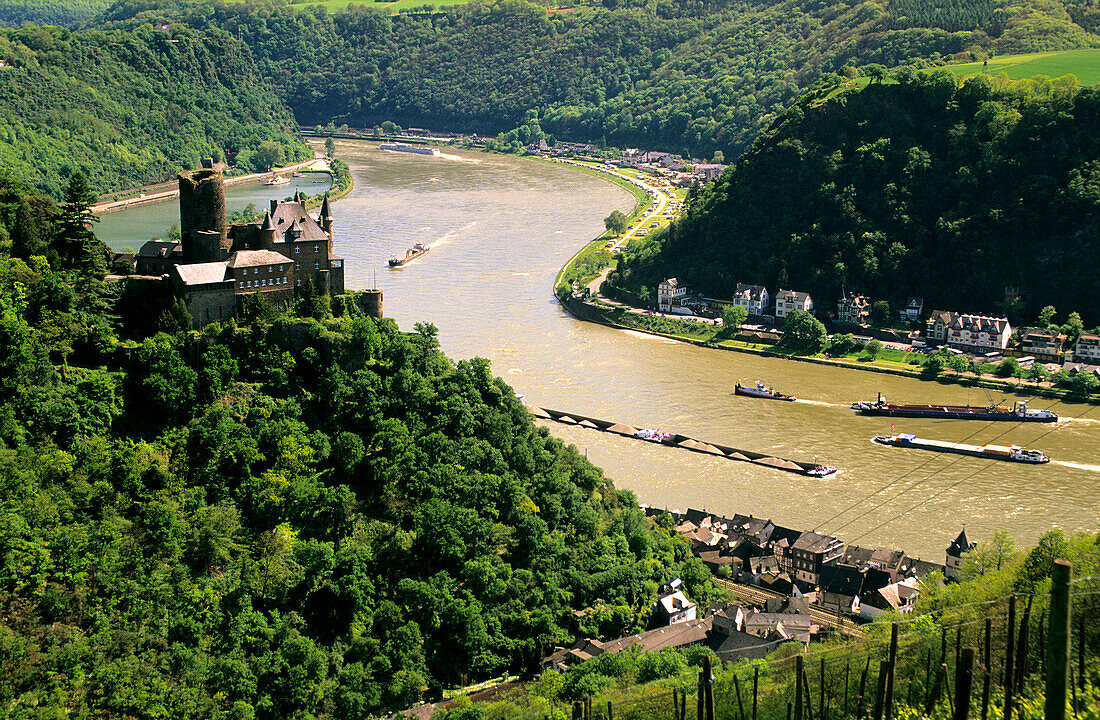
(276, 180)
(404, 147)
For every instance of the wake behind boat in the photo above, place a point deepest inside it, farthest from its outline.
(411, 254)
(761, 391)
(1013, 453)
(995, 411)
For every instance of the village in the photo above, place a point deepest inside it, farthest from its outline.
(792, 587)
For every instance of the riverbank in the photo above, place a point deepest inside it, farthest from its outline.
(162, 192)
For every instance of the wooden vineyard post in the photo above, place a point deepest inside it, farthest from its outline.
(1010, 651)
(880, 694)
(798, 661)
(737, 689)
(964, 683)
(1058, 642)
(988, 661)
(889, 701)
(1021, 648)
(755, 690)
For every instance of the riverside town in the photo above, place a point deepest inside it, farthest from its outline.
(496, 360)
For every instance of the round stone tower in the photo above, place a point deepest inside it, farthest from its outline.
(202, 216)
(372, 303)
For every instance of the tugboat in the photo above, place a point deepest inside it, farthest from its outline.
(821, 471)
(761, 391)
(1013, 453)
(995, 411)
(411, 254)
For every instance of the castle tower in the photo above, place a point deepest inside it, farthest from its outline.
(202, 216)
(372, 303)
(324, 219)
(267, 233)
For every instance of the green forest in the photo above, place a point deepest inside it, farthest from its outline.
(306, 513)
(691, 77)
(981, 197)
(130, 107)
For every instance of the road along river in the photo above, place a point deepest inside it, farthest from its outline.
(501, 227)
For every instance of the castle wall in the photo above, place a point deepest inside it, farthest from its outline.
(210, 303)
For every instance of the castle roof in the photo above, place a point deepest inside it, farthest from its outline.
(251, 258)
(268, 225)
(326, 213)
(160, 248)
(960, 545)
(284, 217)
(202, 273)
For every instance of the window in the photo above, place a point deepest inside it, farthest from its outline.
(271, 268)
(316, 266)
(298, 282)
(316, 248)
(281, 268)
(297, 266)
(297, 249)
(242, 283)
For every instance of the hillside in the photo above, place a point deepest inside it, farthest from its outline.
(693, 77)
(957, 194)
(297, 514)
(127, 107)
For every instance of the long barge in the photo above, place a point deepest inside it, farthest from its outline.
(1012, 453)
(1019, 412)
(683, 441)
(404, 147)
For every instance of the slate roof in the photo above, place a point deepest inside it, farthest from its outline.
(960, 545)
(202, 273)
(160, 248)
(751, 292)
(284, 217)
(814, 542)
(792, 295)
(673, 636)
(979, 323)
(252, 258)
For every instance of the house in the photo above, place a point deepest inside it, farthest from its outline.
(841, 586)
(653, 156)
(913, 309)
(811, 551)
(788, 625)
(955, 552)
(898, 597)
(669, 294)
(673, 608)
(978, 334)
(709, 171)
(1043, 345)
(693, 632)
(788, 300)
(157, 257)
(937, 325)
(1087, 350)
(673, 163)
(754, 298)
(853, 309)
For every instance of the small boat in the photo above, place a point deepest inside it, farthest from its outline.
(1013, 453)
(411, 254)
(276, 180)
(821, 471)
(761, 391)
(1019, 412)
(654, 435)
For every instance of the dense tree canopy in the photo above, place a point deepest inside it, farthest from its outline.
(969, 197)
(284, 517)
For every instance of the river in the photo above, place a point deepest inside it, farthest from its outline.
(501, 227)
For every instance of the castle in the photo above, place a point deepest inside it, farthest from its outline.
(216, 267)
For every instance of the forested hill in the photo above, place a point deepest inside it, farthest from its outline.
(306, 514)
(130, 106)
(693, 76)
(920, 188)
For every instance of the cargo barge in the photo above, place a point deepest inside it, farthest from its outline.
(415, 149)
(1012, 453)
(411, 254)
(1018, 413)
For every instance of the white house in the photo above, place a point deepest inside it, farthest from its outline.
(669, 293)
(788, 300)
(753, 298)
(1088, 349)
(675, 608)
(978, 333)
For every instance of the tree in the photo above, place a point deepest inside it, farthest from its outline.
(719, 157)
(880, 313)
(958, 363)
(268, 154)
(873, 348)
(330, 147)
(875, 71)
(732, 318)
(74, 240)
(1008, 367)
(27, 237)
(1073, 327)
(803, 333)
(615, 222)
(1037, 373)
(1046, 316)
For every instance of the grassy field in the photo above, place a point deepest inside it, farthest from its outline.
(1085, 64)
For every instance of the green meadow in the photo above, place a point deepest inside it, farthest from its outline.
(1085, 64)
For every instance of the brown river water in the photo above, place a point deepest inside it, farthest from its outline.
(501, 227)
